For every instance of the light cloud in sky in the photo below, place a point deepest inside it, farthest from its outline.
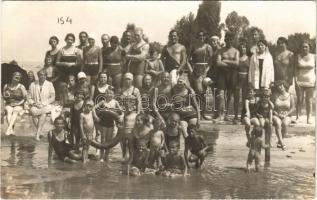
(26, 26)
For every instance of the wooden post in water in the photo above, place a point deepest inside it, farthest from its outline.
(268, 133)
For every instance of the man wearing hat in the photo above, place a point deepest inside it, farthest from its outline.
(92, 64)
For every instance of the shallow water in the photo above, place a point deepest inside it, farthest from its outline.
(26, 174)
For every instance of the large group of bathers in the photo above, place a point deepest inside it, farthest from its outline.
(133, 92)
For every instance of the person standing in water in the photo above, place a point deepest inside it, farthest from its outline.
(136, 57)
(174, 56)
(92, 64)
(284, 63)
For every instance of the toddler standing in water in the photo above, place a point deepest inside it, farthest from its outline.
(255, 144)
(87, 126)
(154, 65)
(108, 111)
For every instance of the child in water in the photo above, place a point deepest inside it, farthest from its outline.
(109, 112)
(154, 65)
(256, 144)
(197, 146)
(58, 140)
(174, 163)
(157, 145)
(264, 107)
(139, 159)
(87, 126)
(173, 130)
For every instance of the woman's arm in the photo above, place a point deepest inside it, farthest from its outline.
(247, 108)
(292, 109)
(58, 60)
(234, 62)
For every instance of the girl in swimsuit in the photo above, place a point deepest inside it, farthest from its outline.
(69, 58)
(113, 62)
(131, 103)
(305, 78)
(53, 41)
(75, 112)
(58, 140)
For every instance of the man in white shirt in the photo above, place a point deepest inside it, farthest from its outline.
(41, 95)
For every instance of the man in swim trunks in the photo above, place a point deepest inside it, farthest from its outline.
(174, 54)
(227, 65)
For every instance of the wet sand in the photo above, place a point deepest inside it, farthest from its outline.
(25, 172)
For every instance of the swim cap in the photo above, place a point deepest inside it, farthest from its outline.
(128, 76)
(214, 37)
(81, 75)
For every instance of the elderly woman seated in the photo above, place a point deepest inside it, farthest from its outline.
(14, 95)
(40, 98)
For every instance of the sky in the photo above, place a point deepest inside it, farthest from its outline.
(27, 26)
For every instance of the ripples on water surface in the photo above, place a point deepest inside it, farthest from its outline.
(26, 174)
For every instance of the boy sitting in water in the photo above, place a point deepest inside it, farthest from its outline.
(256, 144)
(174, 163)
(197, 146)
(157, 145)
(87, 126)
(139, 160)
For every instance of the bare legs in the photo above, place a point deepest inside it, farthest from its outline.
(309, 92)
(12, 114)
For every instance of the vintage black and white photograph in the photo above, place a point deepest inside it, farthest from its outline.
(158, 99)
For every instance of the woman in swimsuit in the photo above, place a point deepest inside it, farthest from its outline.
(14, 95)
(147, 94)
(53, 42)
(58, 140)
(92, 64)
(283, 107)
(113, 62)
(305, 78)
(284, 63)
(69, 58)
(136, 58)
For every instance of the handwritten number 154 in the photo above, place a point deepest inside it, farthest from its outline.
(62, 20)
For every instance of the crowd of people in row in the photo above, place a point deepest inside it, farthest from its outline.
(146, 99)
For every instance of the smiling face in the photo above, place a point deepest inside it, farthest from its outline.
(256, 36)
(165, 78)
(173, 148)
(138, 36)
(173, 37)
(139, 122)
(59, 124)
(127, 36)
(103, 78)
(69, 40)
(42, 76)
(147, 80)
(16, 78)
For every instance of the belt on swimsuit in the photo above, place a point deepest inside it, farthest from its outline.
(200, 63)
(113, 64)
(92, 63)
(243, 73)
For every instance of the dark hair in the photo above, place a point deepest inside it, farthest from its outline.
(243, 43)
(82, 33)
(70, 35)
(281, 82)
(305, 42)
(229, 36)
(255, 29)
(16, 73)
(172, 31)
(145, 75)
(153, 48)
(53, 38)
(145, 118)
(262, 41)
(282, 40)
(114, 39)
(99, 75)
(201, 31)
(257, 131)
(59, 118)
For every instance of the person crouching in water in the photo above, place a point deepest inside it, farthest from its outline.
(174, 163)
(255, 145)
(58, 140)
(197, 146)
(139, 159)
(87, 126)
